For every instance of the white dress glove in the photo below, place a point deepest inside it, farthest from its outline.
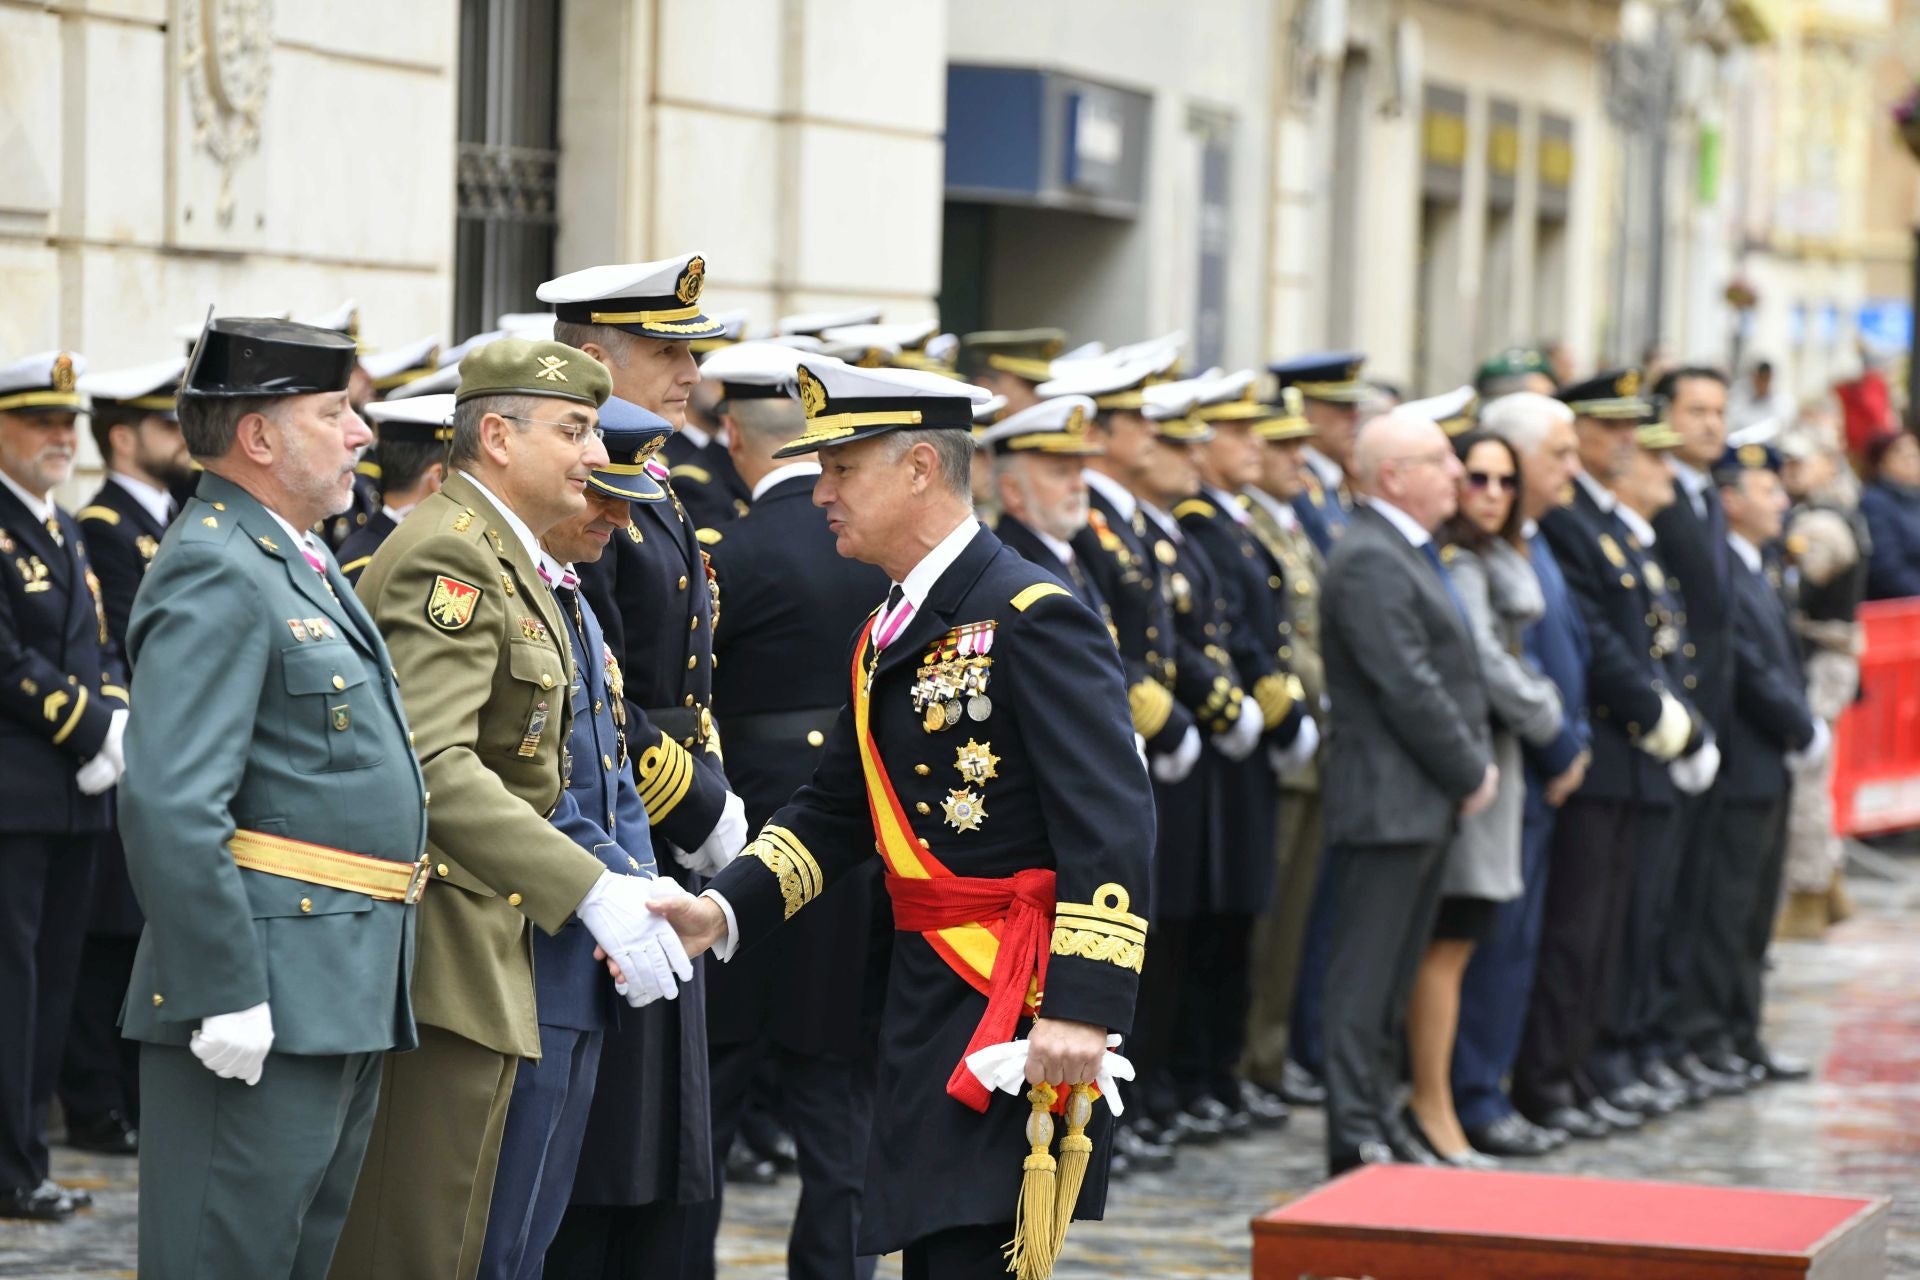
(1695, 773)
(104, 769)
(234, 1045)
(1296, 754)
(652, 961)
(1814, 752)
(1175, 765)
(1238, 742)
(1004, 1067)
(1667, 739)
(723, 843)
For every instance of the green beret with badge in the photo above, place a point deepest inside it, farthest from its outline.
(533, 367)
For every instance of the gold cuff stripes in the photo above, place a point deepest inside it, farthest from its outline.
(665, 775)
(791, 864)
(1101, 930)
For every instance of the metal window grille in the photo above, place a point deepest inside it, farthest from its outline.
(508, 157)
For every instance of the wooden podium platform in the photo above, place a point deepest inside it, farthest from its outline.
(1403, 1222)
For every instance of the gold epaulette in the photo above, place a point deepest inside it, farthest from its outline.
(1194, 507)
(105, 515)
(699, 475)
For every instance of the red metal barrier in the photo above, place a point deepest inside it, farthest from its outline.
(1876, 769)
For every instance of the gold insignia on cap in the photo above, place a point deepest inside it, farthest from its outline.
(813, 396)
(692, 280)
(1627, 384)
(63, 375)
(550, 367)
(1076, 421)
(1752, 455)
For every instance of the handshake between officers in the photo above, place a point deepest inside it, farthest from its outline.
(987, 751)
(310, 906)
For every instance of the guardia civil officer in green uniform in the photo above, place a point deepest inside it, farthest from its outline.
(273, 822)
(462, 592)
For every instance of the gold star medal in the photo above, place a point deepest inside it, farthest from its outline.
(965, 811)
(976, 762)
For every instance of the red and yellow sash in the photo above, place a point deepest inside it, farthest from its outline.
(965, 919)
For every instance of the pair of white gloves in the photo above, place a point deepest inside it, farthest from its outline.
(652, 963)
(100, 773)
(1236, 744)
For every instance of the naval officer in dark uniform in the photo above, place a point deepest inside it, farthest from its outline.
(791, 603)
(1037, 464)
(988, 754)
(601, 811)
(62, 714)
(648, 1153)
(138, 434)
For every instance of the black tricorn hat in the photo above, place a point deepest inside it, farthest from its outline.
(243, 356)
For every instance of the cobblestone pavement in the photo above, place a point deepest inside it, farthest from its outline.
(1852, 1003)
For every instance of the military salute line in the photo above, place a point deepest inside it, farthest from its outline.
(1229, 742)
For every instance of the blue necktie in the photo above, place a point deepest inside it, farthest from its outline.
(1432, 553)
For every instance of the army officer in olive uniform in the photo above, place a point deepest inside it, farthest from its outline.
(272, 818)
(461, 592)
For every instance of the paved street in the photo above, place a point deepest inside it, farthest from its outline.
(1849, 1003)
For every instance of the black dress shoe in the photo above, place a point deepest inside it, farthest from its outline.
(1265, 1108)
(1666, 1082)
(1145, 1126)
(1716, 1083)
(79, 1197)
(36, 1203)
(1729, 1063)
(1141, 1155)
(1635, 1097)
(746, 1169)
(1573, 1122)
(1186, 1127)
(1300, 1087)
(1779, 1066)
(1366, 1153)
(108, 1134)
(1614, 1117)
(1512, 1135)
(1233, 1122)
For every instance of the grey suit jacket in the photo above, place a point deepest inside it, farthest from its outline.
(1408, 737)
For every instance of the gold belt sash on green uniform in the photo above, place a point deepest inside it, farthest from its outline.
(380, 878)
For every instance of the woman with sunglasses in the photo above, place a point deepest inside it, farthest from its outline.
(1485, 553)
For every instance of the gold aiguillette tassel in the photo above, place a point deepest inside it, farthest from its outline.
(1030, 1255)
(1076, 1149)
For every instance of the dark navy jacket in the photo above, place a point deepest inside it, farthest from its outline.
(1557, 644)
(1770, 716)
(1893, 517)
(602, 813)
(61, 677)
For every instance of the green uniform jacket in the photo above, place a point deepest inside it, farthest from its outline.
(482, 652)
(264, 701)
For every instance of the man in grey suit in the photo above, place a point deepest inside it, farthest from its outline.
(1409, 723)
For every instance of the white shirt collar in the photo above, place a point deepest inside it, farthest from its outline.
(40, 505)
(1061, 551)
(513, 522)
(397, 514)
(698, 437)
(1330, 473)
(1282, 512)
(1691, 478)
(1228, 503)
(1601, 495)
(922, 576)
(303, 538)
(1168, 525)
(1116, 494)
(1636, 525)
(156, 501)
(1748, 553)
(1409, 527)
(781, 474)
(1529, 528)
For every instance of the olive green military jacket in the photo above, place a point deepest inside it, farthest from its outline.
(263, 700)
(481, 648)
(1301, 560)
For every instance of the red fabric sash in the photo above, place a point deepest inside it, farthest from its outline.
(1023, 904)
